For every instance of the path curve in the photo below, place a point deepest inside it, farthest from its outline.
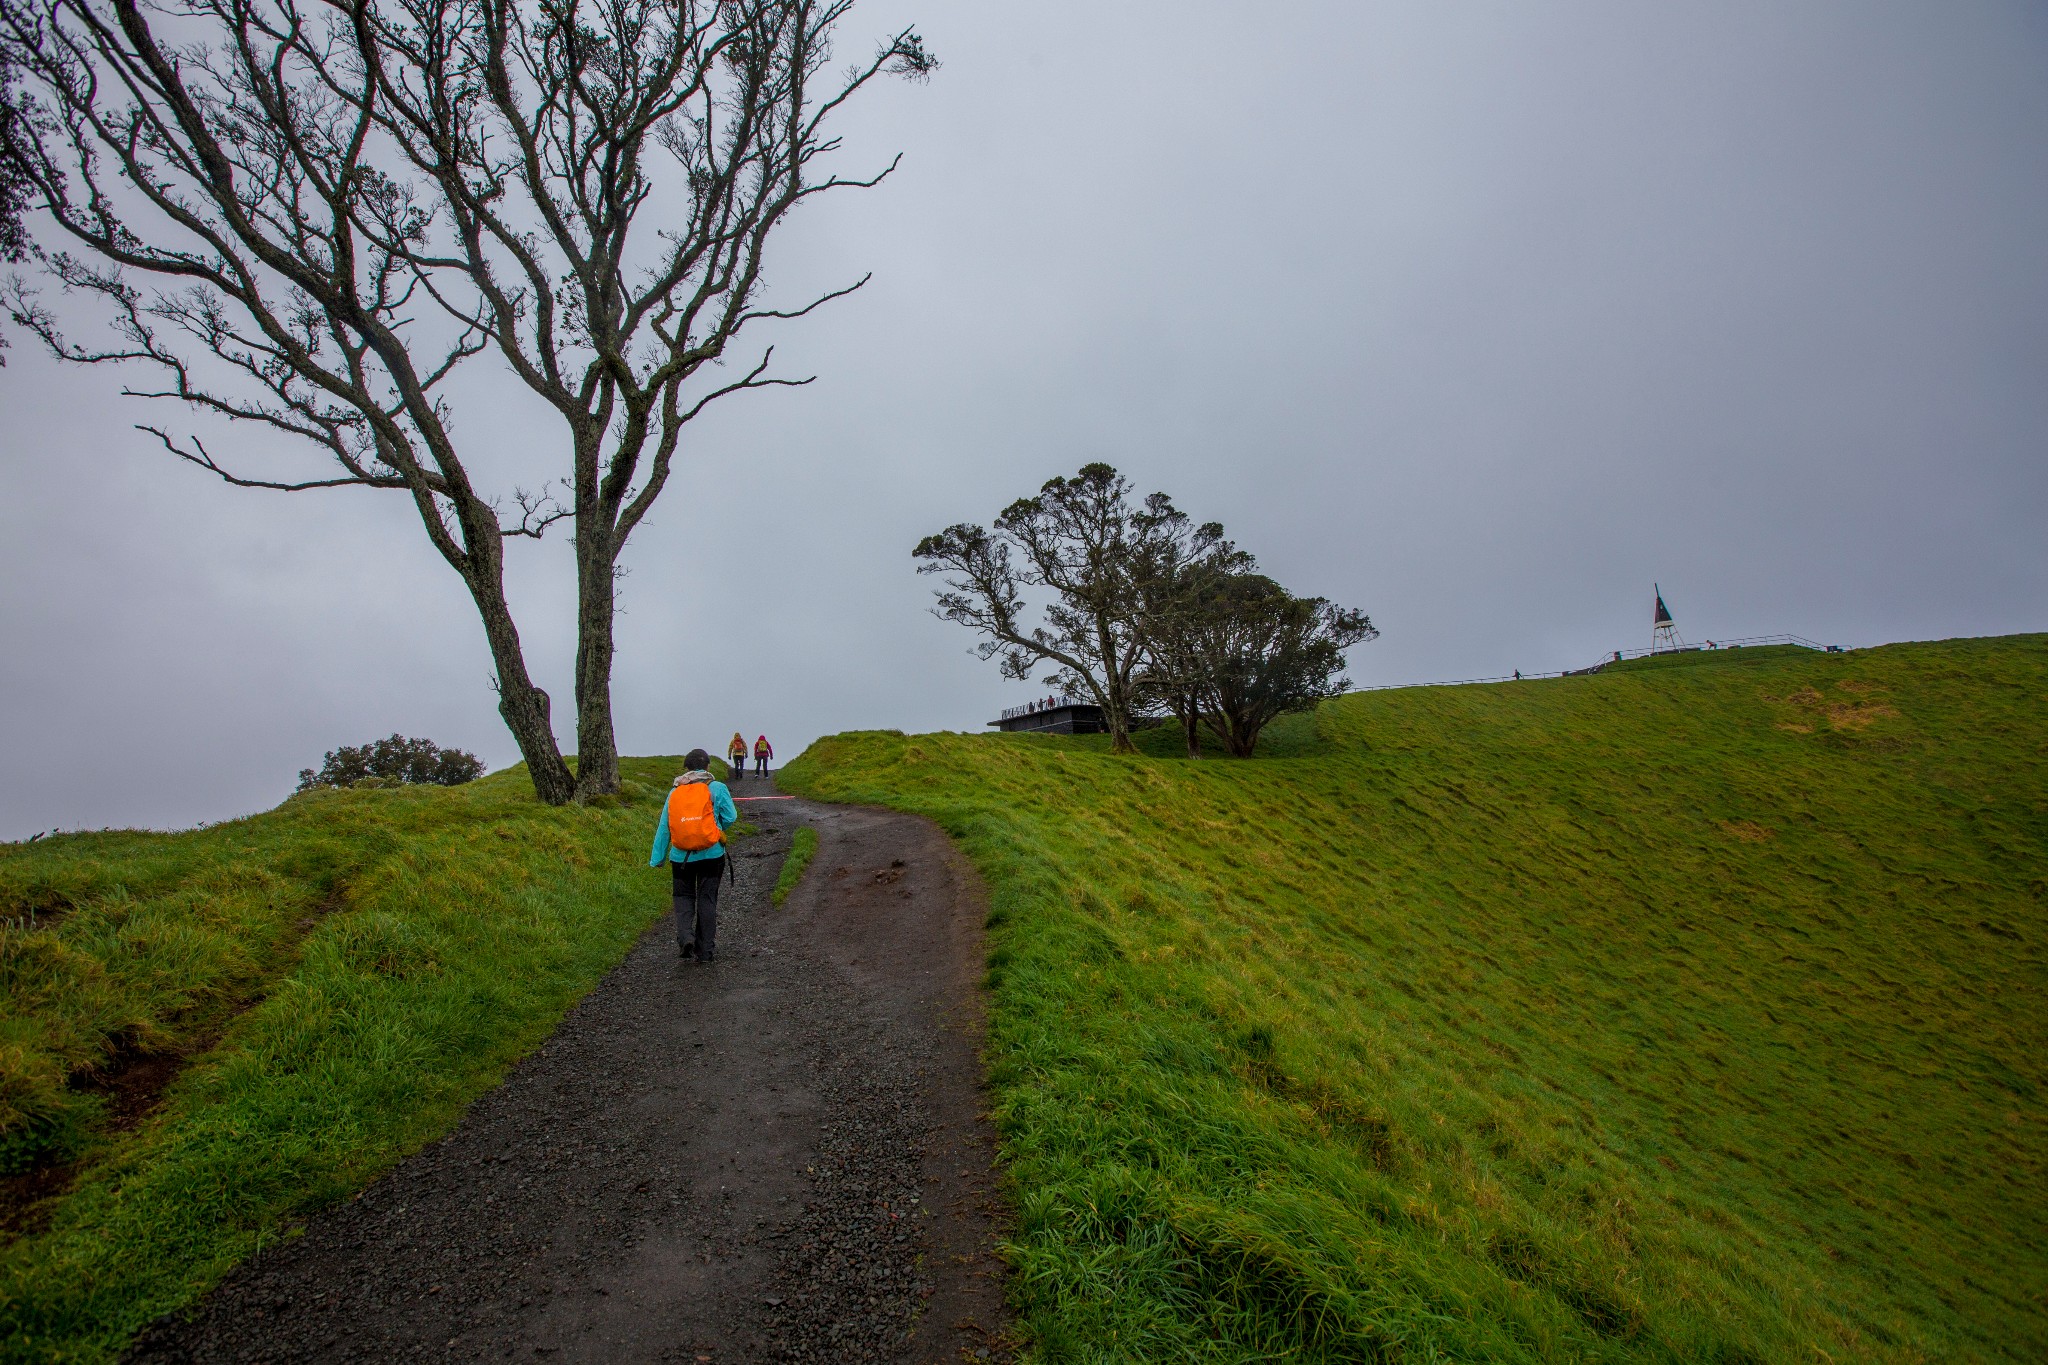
(780, 1156)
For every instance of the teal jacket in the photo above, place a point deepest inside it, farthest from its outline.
(721, 806)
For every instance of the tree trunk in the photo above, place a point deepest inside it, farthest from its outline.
(524, 706)
(1116, 714)
(1191, 729)
(1240, 735)
(597, 746)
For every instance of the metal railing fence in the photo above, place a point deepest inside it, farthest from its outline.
(1044, 704)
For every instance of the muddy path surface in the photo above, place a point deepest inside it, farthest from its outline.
(777, 1156)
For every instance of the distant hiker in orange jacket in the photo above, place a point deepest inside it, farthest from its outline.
(763, 751)
(736, 755)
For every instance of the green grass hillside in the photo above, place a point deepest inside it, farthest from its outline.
(1669, 1014)
(203, 1035)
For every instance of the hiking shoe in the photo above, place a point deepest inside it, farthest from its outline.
(689, 950)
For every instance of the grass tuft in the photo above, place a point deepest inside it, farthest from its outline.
(801, 847)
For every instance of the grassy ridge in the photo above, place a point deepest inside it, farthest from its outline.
(358, 967)
(1686, 1014)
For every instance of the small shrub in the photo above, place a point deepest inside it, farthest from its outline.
(390, 762)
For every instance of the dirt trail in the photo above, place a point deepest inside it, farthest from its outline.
(776, 1156)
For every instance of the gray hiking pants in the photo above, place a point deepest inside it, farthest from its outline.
(694, 888)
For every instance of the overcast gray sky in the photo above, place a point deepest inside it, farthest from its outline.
(1481, 317)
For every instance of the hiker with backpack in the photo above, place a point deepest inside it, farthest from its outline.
(736, 755)
(763, 751)
(691, 840)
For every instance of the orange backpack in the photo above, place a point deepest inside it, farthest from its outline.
(693, 819)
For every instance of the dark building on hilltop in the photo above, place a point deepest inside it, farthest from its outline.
(1053, 716)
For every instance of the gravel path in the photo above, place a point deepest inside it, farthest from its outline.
(779, 1156)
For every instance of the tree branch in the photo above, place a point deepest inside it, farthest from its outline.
(198, 455)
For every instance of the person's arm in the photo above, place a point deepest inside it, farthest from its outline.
(661, 843)
(722, 806)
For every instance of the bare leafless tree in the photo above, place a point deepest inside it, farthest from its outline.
(310, 216)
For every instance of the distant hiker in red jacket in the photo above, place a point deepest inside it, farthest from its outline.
(763, 751)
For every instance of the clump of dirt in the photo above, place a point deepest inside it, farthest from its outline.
(116, 1095)
(122, 1089)
(1858, 715)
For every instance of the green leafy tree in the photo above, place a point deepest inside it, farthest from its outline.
(396, 759)
(1087, 545)
(1175, 561)
(1244, 651)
